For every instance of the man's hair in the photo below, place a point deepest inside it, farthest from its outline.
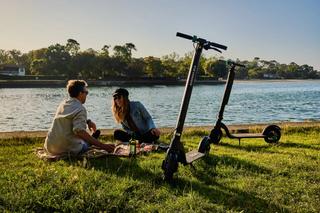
(74, 87)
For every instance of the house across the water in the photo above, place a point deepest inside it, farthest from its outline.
(12, 70)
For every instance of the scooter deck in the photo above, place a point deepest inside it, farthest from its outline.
(248, 135)
(193, 155)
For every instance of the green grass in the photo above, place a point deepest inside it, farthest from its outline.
(252, 177)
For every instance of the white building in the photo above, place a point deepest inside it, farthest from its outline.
(12, 70)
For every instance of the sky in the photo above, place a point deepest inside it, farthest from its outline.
(282, 30)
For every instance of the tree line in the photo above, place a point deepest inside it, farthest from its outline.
(70, 62)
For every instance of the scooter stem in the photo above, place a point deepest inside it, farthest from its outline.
(175, 142)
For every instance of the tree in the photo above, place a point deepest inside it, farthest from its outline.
(220, 69)
(11, 57)
(306, 71)
(117, 67)
(255, 73)
(129, 47)
(105, 51)
(242, 72)
(184, 65)
(38, 67)
(85, 65)
(136, 67)
(3, 56)
(32, 65)
(15, 56)
(124, 52)
(153, 67)
(58, 59)
(26, 63)
(208, 67)
(292, 70)
(72, 47)
(171, 65)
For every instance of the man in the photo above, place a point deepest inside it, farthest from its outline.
(68, 131)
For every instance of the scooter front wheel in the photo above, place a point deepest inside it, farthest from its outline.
(169, 166)
(204, 145)
(216, 135)
(272, 134)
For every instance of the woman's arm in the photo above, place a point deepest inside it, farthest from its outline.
(146, 116)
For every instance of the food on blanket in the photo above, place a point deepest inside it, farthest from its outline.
(121, 150)
(149, 148)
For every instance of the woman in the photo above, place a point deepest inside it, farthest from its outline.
(134, 118)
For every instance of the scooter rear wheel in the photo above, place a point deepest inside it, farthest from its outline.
(272, 134)
(215, 135)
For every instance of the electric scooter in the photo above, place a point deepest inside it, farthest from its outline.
(175, 152)
(271, 133)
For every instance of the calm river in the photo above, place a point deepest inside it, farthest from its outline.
(250, 102)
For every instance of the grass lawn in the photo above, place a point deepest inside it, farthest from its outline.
(252, 177)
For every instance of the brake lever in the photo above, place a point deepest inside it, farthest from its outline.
(216, 49)
(207, 47)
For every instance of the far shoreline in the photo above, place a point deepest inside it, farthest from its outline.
(102, 83)
(129, 83)
(166, 130)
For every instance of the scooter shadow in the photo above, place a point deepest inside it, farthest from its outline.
(231, 198)
(291, 144)
(205, 170)
(266, 147)
(251, 148)
(206, 185)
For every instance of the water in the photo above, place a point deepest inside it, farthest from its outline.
(250, 102)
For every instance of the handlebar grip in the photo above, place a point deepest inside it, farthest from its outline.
(184, 36)
(220, 46)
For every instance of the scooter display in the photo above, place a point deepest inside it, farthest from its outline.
(175, 152)
(271, 133)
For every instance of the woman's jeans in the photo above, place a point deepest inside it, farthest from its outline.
(144, 138)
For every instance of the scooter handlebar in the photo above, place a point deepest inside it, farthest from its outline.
(195, 38)
(184, 36)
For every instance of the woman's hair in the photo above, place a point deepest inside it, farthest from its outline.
(74, 87)
(120, 113)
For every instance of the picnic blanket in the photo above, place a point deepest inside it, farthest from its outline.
(121, 150)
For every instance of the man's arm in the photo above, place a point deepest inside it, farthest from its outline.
(156, 132)
(89, 139)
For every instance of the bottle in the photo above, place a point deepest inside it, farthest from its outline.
(132, 148)
(137, 147)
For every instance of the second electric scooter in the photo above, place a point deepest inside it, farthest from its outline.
(271, 133)
(176, 153)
